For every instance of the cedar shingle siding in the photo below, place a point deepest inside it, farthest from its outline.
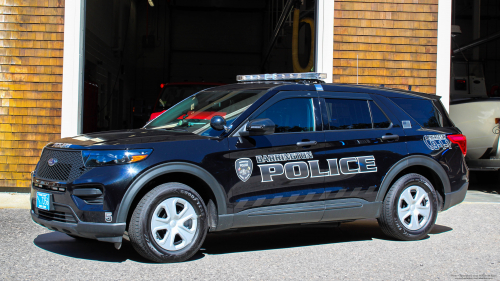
(394, 40)
(31, 59)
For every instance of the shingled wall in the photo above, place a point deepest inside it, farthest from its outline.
(31, 59)
(394, 40)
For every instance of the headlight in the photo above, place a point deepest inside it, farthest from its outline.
(97, 158)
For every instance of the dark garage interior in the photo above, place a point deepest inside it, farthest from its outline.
(475, 45)
(135, 49)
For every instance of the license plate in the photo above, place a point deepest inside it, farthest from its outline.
(43, 201)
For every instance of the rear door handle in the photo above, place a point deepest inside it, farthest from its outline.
(390, 137)
(307, 143)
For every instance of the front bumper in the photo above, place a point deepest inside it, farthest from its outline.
(453, 198)
(107, 232)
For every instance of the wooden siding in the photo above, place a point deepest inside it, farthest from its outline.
(31, 59)
(394, 41)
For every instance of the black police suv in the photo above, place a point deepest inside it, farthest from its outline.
(256, 153)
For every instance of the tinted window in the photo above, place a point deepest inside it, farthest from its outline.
(446, 122)
(379, 118)
(348, 114)
(423, 111)
(291, 115)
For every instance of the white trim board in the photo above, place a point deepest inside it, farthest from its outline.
(73, 67)
(444, 52)
(324, 38)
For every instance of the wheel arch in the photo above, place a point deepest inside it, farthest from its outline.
(137, 188)
(427, 166)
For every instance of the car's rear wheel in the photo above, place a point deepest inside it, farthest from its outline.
(410, 208)
(169, 224)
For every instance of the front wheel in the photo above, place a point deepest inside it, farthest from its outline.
(409, 209)
(169, 224)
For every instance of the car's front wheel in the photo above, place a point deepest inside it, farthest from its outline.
(169, 224)
(410, 208)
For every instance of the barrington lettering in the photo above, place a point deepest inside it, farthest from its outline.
(284, 157)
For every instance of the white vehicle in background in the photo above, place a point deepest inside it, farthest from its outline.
(477, 114)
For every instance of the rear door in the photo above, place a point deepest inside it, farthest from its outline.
(363, 140)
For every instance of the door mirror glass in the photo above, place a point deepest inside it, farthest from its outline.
(259, 127)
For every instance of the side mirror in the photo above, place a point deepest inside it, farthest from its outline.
(259, 127)
(218, 123)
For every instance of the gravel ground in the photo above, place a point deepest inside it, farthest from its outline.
(464, 244)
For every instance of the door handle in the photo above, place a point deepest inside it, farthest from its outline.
(307, 143)
(390, 137)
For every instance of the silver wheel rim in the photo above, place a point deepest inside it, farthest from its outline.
(414, 207)
(174, 224)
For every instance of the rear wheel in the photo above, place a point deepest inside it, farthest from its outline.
(410, 208)
(169, 224)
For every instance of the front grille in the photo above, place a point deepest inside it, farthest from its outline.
(69, 165)
(56, 216)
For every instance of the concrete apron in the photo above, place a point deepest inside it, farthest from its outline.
(21, 200)
(12, 200)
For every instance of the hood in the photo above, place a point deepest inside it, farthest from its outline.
(124, 137)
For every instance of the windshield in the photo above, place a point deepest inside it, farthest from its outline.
(194, 113)
(172, 94)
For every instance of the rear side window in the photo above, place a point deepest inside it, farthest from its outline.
(422, 110)
(348, 114)
(379, 119)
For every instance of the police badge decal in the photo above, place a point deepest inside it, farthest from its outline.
(243, 168)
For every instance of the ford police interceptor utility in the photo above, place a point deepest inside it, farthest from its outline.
(272, 149)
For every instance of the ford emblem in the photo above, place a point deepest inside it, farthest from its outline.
(52, 162)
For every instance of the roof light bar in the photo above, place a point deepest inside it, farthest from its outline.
(282, 76)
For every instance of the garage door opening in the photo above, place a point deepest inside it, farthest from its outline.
(143, 56)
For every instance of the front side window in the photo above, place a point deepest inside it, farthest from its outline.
(348, 114)
(291, 115)
(194, 113)
(422, 110)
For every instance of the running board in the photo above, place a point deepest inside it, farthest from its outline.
(311, 212)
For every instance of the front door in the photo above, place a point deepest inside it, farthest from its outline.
(281, 168)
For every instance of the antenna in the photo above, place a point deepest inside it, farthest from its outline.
(357, 69)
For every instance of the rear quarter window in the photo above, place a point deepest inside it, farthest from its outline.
(423, 111)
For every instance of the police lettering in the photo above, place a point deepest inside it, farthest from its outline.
(301, 169)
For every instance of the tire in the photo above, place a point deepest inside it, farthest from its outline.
(158, 234)
(409, 209)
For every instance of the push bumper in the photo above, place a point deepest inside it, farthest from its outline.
(106, 232)
(454, 198)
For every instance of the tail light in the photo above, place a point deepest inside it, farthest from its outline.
(461, 140)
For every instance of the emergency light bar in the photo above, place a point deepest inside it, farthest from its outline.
(282, 76)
